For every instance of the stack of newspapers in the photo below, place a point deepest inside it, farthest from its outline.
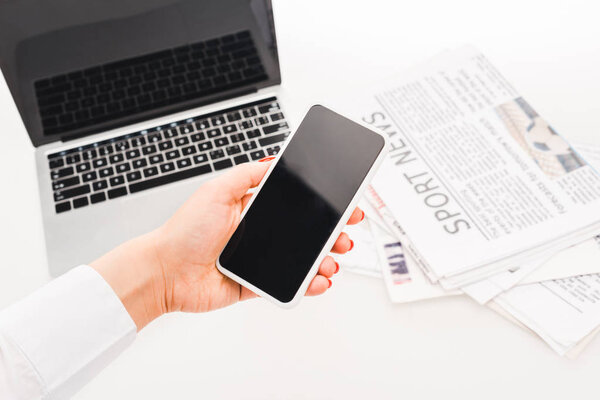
(479, 195)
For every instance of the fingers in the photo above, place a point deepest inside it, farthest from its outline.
(343, 244)
(238, 180)
(357, 216)
(318, 286)
(328, 267)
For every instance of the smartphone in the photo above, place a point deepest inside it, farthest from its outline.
(301, 206)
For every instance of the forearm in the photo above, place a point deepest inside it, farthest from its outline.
(134, 272)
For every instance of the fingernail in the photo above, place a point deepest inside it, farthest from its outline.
(267, 159)
(330, 283)
(337, 268)
(351, 245)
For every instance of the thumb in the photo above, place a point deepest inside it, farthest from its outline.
(238, 180)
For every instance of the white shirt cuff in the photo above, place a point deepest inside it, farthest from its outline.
(69, 330)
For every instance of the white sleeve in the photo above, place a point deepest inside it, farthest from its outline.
(58, 338)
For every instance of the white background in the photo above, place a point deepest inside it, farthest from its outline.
(352, 343)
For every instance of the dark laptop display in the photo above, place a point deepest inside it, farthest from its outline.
(80, 67)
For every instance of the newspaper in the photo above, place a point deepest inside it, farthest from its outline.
(480, 182)
(562, 312)
(404, 280)
(581, 259)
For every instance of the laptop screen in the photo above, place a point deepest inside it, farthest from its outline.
(77, 67)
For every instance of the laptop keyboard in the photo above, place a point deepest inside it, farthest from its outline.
(104, 93)
(143, 160)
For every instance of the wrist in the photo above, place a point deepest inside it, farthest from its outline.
(134, 272)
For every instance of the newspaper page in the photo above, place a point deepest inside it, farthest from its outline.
(580, 259)
(562, 312)
(479, 181)
(403, 278)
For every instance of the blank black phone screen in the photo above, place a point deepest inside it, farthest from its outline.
(301, 203)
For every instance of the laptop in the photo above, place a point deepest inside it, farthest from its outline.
(131, 105)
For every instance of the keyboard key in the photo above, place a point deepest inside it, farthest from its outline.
(204, 124)
(56, 163)
(114, 193)
(204, 146)
(184, 163)
(157, 158)
(170, 133)
(274, 128)
(249, 146)
(196, 137)
(154, 137)
(167, 167)
(257, 155)
(80, 202)
(116, 158)
(106, 172)
(117, 180)
(123, 168)
(165, 145)
(173, 154)
(89, 154)
(65, 183)
(218, 120)
(267, 108)
(139, 163)
(261, 120)
(122, 146)
(241, 159)
(106, 150)
(152, 171)
(276, 117)
(231, 150)
(212, 133)
(246, 124)
(134, 176)
(61, 173)
(149, 150)
(226, 163)
(73, 192)
(62, 207)
(164, 179)
(200, 158)
(230, 128)
(138, 141)
(220, 142)
(99, 163)
(249, 112)
(237, 137)
(185, 129)
(89, 176)
(98, 197)
(215, 155)
(73, 158)
(100, 185)
(253, 133)
(83, 167)
(133, 154)
(182, 141)
(272, 139)
(272, 151)
(188, 150)
(234, 116)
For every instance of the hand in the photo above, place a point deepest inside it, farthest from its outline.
(174, 267)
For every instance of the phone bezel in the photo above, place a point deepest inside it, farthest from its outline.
(338, 229)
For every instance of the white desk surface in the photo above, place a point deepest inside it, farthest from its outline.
(351, 343)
